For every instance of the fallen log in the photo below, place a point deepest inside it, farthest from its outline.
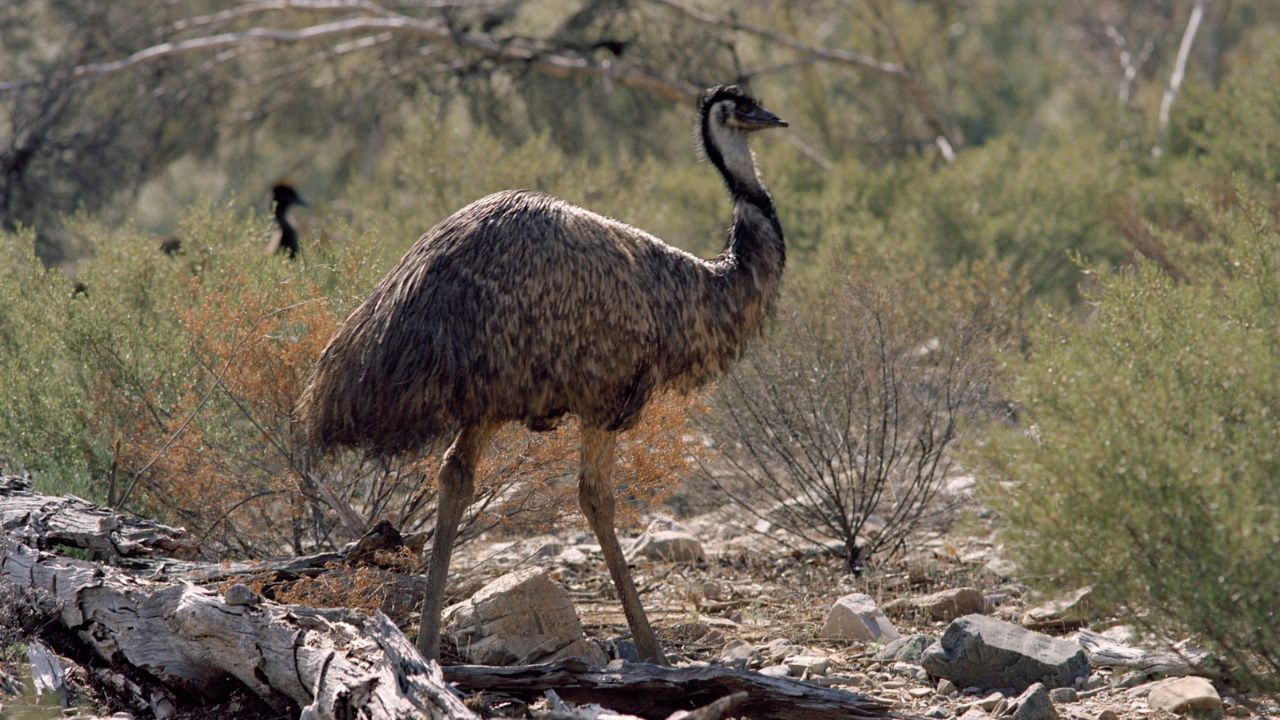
(1105, 652)
(330, 663)
(656, 692)
(45, 521)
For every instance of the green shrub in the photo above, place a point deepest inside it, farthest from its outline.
(1150, 461)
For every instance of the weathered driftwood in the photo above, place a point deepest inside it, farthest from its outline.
(656, 692)
(44, 521)
(1105, 652)
(163, 619)
(329, 663)
(560, 710)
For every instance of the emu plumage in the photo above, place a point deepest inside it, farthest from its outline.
(522, 307)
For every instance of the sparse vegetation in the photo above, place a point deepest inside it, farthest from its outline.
(1148, 464)
(939, 209)
(842, 428)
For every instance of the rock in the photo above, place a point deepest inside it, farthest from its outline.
(1000, 568)
(1186, 695)
(1033, 704)
(856, 617)
(737, 653)
(990, 702)
(974, 714)
(777, 649)
(986, 652)
(775, 671)
(1074, 609)
(670, 545)
(521, 618)
(807, 664)
(947, 688)
(1108, 714)
(949, 604)
(1064, 695)
(937, 712)
(903, 669)
(907, 648)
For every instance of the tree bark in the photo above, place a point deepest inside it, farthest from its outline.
(653, 691)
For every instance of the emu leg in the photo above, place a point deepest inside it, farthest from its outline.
(595, 495)
(456, 483)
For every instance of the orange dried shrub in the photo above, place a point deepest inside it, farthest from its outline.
(223, 463)
(537, 472)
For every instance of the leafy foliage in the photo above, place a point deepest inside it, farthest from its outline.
(170, 382)
(1149, 468)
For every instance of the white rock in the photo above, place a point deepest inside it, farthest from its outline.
(856, 617)
(776, 671)
(807, 663)
(1184, 695)
(522, 617)
(671, 545)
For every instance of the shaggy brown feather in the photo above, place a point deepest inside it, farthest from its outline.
(522, 307)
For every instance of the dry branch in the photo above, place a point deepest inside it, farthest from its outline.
(48, 521)
(542, 59)
(654, 691)
(329, 663)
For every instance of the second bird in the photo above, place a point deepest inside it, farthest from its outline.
(285, 240)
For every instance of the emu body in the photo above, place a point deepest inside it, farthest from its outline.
(522, 307)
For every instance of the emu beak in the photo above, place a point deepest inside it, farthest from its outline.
(759, 118)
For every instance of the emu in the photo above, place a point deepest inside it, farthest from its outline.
(522, 307)
(283, 197)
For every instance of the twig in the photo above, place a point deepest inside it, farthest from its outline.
(1179, 71)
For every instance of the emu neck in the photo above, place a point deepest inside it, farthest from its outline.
(754, 250)
(288, 235)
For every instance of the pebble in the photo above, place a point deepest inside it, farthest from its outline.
(937, 712)
(1108, 714)
(946, 687)
(894, 684)
(920, 692)
(1064, 695)
(989, 702)
(775, 671)
(1238, 711)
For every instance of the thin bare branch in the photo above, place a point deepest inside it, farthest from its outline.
(844, 57)
(1179, 72)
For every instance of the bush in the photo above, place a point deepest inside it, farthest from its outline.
(1150, 466)
(839, 427)
(170, 384)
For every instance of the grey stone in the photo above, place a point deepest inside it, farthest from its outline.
(671, 545)
(737, 653)
(985, 652)
(522, 617)
(946, 604)
(947, 688)
(1033, 704)
(808, 663)
(990, 702)
(937, 712)
(1186, 695)
(1077, 607)
(907, 648)
(1064, 695)
(856, 617)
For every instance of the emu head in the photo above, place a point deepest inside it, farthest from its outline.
(727, 106)
(283, 196)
